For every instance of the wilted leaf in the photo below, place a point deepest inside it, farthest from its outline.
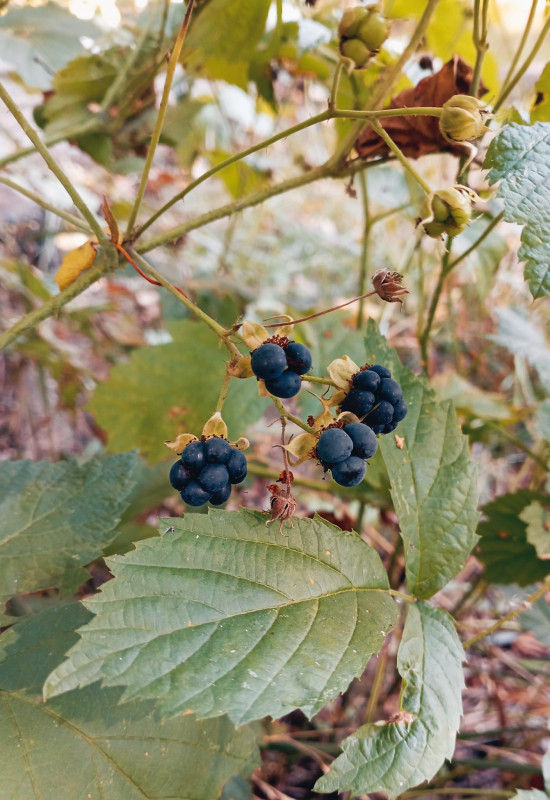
(74, 263)
(503, 547)
(519, 157)
(170, 388)
(253, 334)
(58, 517)
(301, 448)
(394, 756)
(418, 136)
(224, 615)
(433, 480)
(85, 745)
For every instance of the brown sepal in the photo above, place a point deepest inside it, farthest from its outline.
(387, 285)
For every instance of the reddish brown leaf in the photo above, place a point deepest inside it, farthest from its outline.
(418, 136)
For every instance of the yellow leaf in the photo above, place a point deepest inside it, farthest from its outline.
(301, 448)
(74, 263)
(180, 443)
(254, 334)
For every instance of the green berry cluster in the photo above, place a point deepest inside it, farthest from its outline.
(362, 32)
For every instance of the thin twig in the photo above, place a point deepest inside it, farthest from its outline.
(509, 88)
(364, 258)
(36, 198)
(521, 45)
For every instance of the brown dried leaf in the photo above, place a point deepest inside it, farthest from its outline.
(418, 136)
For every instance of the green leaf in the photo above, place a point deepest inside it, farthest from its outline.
(86, 745)
(223, 38)
(58, 517)
(40, 40)
(537, 620)
(540, 110)
(433, 480)
(172, 388)
(394, 756)
(537, 519)
(224, 615)
(518, 334)
(520, 158)
(503, 547)
(237, 788)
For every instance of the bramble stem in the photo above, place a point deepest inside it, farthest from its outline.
(425, 337)
(51, 306)
(71, 218)
(521, 45)
(159, 122)
(364, 259)
(481, 20)
(494, 222)
(509, 88)
(292, 417)
(320, 313)
(322, 117)
(401, 157)
(315, 379)
(53, 165)
(510, 616)
(333, 97)
(224, 390)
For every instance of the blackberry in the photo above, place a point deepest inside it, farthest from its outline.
(389, 390)
(298, 358)
(268, 361)
(194, 495)
(213, 477)
(221, 496)
(382, 371)
(365, 443)
(179, 475)
(368, 380)
(288, 384)
(358, 402)
(217, 450)
(349, 472)
(380, 415)
(193, 457)
(399, 411)
(334, 445)
(236, 466)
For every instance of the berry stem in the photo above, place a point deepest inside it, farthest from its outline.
(292, 417)
(333, 97)
(70, 218)
(481, 20)
(364, 259)
(316, 379)
(224, 390)
(401, 157)
(521, 45)
(320, 313)
(159, 122)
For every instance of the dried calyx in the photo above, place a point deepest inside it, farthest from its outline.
(362, 32)
(448, 211)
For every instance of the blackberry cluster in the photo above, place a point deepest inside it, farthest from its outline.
(206, 471)
(376, 399)
(280, 366)
(344, 451)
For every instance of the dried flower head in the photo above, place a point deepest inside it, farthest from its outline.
(387, 285)
(282, 506)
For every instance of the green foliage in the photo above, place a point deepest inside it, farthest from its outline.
(38, 41)
(171, 388)
(537, 519)
(223, 615)
(432, 479)
(59, 517)
(86, 745)
(519, 157)
(396, 755)
(537, 620)
(503, 547)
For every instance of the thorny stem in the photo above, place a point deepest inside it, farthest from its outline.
(364, 259)
(70, 218)
(159, 122)
(333, 97)
(509, 88)
(510, 616)
(481, 19)
(292, 417)
(401, 157)
(50, 307)
(316, 379)
(320, 313)
(494, 222)
(53, 165)
(86, 127)
(521, 45)
(224, 390)
(425, 337)
(322, 117)
(317, 486)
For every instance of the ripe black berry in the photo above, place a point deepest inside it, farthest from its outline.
(268, 361)
(194, 495)
(358, 402)
(217, 450)
(288, 384)
(221, 496)
(179, 476)
(368, 380)
(365, 443)
(334, 445)
(236, 466)
(193, 457)
(399, 411)
(349, 472)
(382, 371)
(389, 390)
(380, 415)
(213, 477)
(298, 358)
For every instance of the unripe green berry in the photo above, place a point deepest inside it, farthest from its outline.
(356, 51)
(462, 118)
(374, 31)
(351, 21)
(448, 211)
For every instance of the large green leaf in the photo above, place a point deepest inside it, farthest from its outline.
(39, 40)
(85, 745)
(394, 756)
(504, 549)
(520, 158)
(58, 517)
(224, 615)
(223, 38)
(433, 480)
(172, 388)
